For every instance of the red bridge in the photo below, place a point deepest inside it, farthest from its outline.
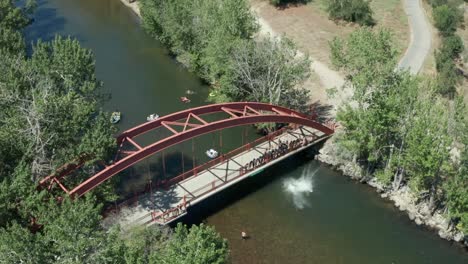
(191, 123)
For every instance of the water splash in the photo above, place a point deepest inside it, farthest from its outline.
(300, 188)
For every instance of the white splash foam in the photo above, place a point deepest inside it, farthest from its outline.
(300, 188)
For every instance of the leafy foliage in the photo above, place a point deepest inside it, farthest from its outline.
(199, 244)
(214, 39)
(13, 19)
(201, 33)
(357, 11)
(50, 114)
(447, 19)
(267, 71)
(397, 127)
(51, 102)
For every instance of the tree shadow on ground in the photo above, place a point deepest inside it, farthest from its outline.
(160, 199)
(320, 111)
(284, 4)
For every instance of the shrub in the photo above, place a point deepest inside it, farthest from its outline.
(447, 78)
(447, 19)
(453, 46)
(357, 11)
(436, 3)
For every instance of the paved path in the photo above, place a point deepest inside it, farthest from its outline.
(420, 43)
(196, 188)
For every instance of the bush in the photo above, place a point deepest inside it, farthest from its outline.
(453, 46)
(447, 19)
(447, 78)
(357, 11)
(436, 3)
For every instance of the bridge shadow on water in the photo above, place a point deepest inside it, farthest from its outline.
(198, 213)
(135, 180)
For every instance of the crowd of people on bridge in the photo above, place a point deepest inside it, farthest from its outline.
(271, 154)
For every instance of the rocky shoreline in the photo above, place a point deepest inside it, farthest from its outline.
(403, 199)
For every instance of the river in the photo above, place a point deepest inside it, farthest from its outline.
(298, 212)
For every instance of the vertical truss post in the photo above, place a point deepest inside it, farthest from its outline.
(227, 169)
(243, 135)
(164, 165)
(221, 144)
(151, 193)
(182, 157)
(193, 154)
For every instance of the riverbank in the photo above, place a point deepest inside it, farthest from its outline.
(133, 6)
(402, 198)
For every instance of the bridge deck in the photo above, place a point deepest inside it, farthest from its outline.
(165, 205)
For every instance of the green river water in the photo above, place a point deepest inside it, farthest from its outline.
(300, 211)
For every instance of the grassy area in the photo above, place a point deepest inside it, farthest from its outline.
(387, 13)
(309, 26)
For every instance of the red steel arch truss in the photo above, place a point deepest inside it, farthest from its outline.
(183, 125)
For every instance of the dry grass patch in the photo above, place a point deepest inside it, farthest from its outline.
(309, 26)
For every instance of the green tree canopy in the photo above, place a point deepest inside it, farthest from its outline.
(397, 127)
(13, 20)
(199, 244)
(447, 18)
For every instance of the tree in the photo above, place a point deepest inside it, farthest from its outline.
(447, 19)
(357, 11)
(456, 186)
(19, 245)
(52, 101)
(456, 189)
(426, 155)
(141, 243)
(199, 244)
(269, 71)
(398, 128)
(13, 19)
(201, 34)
